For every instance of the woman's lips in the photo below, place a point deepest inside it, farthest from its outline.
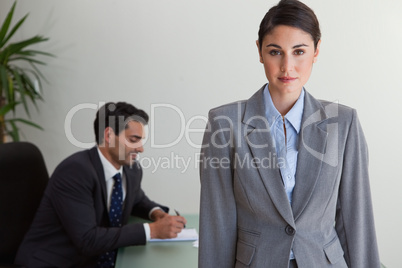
(287, 79)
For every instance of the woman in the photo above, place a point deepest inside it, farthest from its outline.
(284, 177)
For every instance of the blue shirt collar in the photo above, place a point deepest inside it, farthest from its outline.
(294, 116)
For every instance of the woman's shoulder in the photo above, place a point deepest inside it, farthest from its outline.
(337, 105)
(237, 108)
(232, 108)
(339, 112)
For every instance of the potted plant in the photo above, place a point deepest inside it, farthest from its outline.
(20, 79)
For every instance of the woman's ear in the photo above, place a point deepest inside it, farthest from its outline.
(317, 51)
(259, 51)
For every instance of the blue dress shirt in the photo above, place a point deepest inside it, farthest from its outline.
(286, 150)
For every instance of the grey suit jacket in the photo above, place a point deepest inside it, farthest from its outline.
(71, 226)
(245, 217)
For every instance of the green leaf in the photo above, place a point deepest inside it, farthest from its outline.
(21, 88)
(38, 75)
(28, 60)
(16, 48)
(6, 108)
(3, 79)
(34, 52)
(10, 92)
(24, 121)
(29, 88)
(15, 28)
(18, 84)
(6, 24)
(14, 132)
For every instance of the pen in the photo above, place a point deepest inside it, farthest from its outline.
(178, 214)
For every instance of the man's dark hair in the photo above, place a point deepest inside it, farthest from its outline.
(116, 116)
(290, 13)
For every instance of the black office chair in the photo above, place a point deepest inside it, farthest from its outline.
(23, 179)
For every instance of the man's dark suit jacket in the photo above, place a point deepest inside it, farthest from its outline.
(70, 228)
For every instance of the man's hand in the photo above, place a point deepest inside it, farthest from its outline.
(165, 225)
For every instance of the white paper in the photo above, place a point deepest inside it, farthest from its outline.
(187, 234)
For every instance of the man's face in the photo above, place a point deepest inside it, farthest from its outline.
(123, 148)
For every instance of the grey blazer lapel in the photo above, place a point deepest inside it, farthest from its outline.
(261, 145)
(312, 145)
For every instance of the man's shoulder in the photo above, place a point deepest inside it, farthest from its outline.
(80, 157)
(82, 161)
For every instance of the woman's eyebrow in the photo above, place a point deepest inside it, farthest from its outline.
(273, 45)
(300, 45)
(277, 46)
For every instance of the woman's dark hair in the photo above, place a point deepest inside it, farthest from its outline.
(291, 13)
(116, 116)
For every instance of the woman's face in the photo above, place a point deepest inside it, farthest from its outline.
(288, 55)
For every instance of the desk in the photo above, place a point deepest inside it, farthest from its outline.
(161, 254)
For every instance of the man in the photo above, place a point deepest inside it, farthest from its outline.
(81, 221)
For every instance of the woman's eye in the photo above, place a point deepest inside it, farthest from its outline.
(274, 52)
(299, 52)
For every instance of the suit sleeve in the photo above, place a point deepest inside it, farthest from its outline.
(144, 207)
(217, 243)
(71, 192)
(355, 221)
(142, 204)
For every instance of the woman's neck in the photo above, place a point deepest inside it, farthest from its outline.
(284, 102)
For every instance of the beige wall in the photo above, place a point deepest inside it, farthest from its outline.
(195, 55)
